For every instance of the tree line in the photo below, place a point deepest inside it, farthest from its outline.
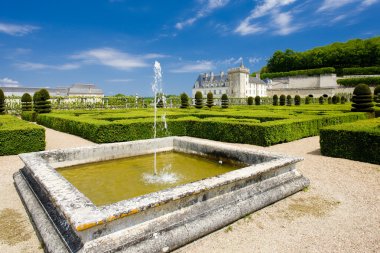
(353, 53)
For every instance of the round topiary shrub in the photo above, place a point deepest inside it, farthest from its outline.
(376, 95)
(329, 100)
(198, 100)
(289, 100)
(307, 100)
(282, 99)
(224, 101)
(335, 99)
(321, 100)
(26, 102)
(362, 99)
(210, 100)
(257, 100)
(41, 102)
(250, 101)
(297, 100)
(184, 101)
(2, 102)
(275, 99)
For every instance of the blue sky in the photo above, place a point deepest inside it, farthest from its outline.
(114, 43)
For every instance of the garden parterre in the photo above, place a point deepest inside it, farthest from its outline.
(259, 125)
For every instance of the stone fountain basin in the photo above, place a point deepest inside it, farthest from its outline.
(67, 221)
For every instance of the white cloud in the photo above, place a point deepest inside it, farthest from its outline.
(17, 30)
(7, 82)
(195, 67)
(253, 60)
(332, 5)
(205, 9)
(112, 58)
(280, 25)
(41, 66)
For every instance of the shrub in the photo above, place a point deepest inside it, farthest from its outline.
(362, 99)
(343, 100)
(198, 100)
(289, 100)
(26, 102)
(307, 100)
(376, 95)
(335, 99)
(297, 100)
(257, 100)
(224, 101)
(184, 101)
(210, 100)
(361, 71)
(2, 102)
(306, 72)
(41, 103)
(250, 101)
(29, 116)
(352, 82)
(321, 100)
(160, 103)
(275, 99)
(18, 136)
(359, 141)
(329, 100)
(282, 99)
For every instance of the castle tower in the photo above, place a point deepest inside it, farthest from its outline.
(238, 78)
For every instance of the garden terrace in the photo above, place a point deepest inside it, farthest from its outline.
(239, 125)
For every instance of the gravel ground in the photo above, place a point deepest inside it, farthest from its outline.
(340, 212)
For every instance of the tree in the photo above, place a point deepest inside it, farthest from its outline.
(2, 102)
(198, 100)
(275, 99)
(210, 100)
(307, 100)
(184, 101)
(282, 99)
(250, 100)
(26, 102)
(297, 100)
(224, 101)
(362, 99)
(321, 100)
(257, 100)
(289, 100)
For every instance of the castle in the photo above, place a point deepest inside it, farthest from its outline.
(237, 83)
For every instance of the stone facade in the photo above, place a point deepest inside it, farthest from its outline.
(237, 83)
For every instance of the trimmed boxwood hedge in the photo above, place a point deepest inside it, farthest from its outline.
(236, 127)
(18, 136)
(352, 82)
(305, 72)
(374, 70)
(359, 141)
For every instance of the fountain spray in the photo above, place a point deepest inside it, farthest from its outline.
(156, 87)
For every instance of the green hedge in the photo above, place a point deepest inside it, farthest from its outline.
(359, 141)
(306, 72)
(361, 71)
(229, 127)
(352, 82)
(29, 116)
(18, 136)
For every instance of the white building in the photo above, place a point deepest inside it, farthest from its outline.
(237, 83)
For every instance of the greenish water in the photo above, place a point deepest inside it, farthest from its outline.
(115, 180)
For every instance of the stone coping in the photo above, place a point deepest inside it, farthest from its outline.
(82, 214)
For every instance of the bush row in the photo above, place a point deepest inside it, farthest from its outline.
(306, 72)
(361, 71)
(18, 136)
(239, 131)
(359, 141)
(352, 82)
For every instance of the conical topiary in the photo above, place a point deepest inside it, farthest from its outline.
(26, 102)
(376, 95)
(282, 99)
(2, 102)
(257, 100)
(224, 101)
(210, 100)
(362, 99)
(184, 101)
(275, 99)
(250, 101)
(297, 100)
(198, 100)
(41, 101)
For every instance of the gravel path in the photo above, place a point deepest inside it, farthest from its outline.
(340, 212)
